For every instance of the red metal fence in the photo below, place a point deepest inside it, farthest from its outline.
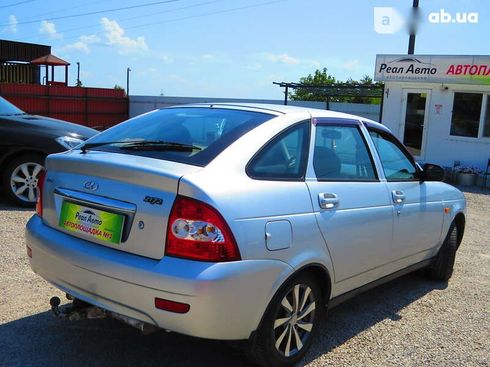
(95, 107)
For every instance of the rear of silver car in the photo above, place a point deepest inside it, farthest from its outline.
(130, 275)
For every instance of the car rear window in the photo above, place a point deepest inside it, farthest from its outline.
(209, 129)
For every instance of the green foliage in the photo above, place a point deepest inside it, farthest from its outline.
(322, 78)
(118, 87)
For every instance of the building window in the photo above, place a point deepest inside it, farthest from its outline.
(466, 114)
(486, 127)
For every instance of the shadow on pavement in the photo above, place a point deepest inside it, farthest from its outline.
(361, 312)
(43, 340)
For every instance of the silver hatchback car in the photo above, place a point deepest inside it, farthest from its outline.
(239, 222)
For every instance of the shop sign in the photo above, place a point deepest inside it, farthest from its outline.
(433, 69)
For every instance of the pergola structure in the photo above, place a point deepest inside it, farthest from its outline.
(52, 60)
(330, 91)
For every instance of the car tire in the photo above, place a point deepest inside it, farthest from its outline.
(443, 264)
(20, 177)
(289, 324)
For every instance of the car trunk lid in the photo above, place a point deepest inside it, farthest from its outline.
(115, 200)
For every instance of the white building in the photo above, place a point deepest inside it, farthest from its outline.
(438, 106)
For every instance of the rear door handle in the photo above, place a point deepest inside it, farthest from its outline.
(328, 200)
(398, 196)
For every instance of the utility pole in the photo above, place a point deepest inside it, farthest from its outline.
(127, 81)
(413, 27)
(78, 74)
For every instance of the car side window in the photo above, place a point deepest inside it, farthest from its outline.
(397, 165)
(341, 154)
(284, 157)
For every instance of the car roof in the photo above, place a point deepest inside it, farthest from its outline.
(286, 109)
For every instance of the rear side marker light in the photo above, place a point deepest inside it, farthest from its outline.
(40, 187)
(171, 306)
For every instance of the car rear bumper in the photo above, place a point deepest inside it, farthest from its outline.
(227, 300)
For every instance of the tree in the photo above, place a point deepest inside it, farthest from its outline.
(366, 79)
(320, 77)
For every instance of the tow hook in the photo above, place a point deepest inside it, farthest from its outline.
(79, 310)
(55, 302)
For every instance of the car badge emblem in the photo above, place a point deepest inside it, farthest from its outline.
(91, 185)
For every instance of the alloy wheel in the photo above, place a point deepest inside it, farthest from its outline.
(23, 181)
(294, 320)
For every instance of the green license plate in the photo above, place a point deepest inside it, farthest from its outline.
(99, 224)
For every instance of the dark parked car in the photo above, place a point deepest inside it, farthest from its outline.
(25, 141)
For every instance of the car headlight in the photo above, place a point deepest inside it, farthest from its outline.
(68, 142)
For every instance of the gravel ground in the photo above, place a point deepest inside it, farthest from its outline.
(408, 322)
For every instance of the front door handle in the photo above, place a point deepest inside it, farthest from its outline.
(328, 200)
(398, 196)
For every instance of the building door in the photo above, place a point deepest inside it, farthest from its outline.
(415, 111)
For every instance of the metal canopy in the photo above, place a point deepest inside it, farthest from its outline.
(338, 90)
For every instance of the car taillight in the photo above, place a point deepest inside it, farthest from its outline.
(197, 231)
(40, 187)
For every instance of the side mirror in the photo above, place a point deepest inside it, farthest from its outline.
(432, 172)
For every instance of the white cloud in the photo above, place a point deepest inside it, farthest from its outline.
(114, 35)
(49, 29)
(12, 25)
(91, 38)
(77, 46)
(351, 65)
(207, 57)
(283, 59)
(83, 43)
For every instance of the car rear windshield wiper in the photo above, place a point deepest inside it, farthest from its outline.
(160, 145)
(144, 145)
(87, 146)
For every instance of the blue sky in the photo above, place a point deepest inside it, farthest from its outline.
(230, 48)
